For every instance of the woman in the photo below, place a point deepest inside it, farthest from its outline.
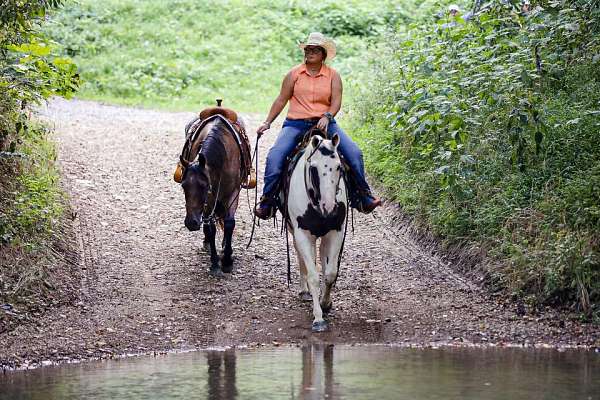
(314, 91)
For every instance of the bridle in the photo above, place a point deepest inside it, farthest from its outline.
(207, 219)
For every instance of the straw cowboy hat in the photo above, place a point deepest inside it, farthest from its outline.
(318, 39)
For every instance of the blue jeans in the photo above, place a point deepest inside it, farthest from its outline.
(291, 134)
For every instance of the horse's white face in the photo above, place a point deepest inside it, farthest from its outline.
(323, 173)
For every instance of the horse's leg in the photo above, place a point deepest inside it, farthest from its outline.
(210, 232)
(206, 230)
(307, 250)
(227, 261)
(304, 293)
(228, 227)
(331, 245)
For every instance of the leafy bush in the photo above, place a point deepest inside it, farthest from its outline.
(35, 204)
(28, 72)
(487, 131)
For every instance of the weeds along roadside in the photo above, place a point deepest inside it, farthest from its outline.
(487, 133)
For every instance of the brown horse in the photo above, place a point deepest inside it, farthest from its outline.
(211, 181)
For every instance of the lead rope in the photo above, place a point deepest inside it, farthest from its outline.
(212, 214)
(345, 231)
(286, 193)
(255, 156)
(287, 247)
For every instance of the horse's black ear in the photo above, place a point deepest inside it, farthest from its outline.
(335, 140)
(315, 141)
(201, 160)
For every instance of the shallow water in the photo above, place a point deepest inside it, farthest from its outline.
(321, 371)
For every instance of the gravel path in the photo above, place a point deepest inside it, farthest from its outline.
(146, 286)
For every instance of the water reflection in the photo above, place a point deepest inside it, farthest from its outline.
(317, 372)
(221, 375)
(320, 371)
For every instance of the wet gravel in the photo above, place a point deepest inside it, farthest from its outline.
(145, 285)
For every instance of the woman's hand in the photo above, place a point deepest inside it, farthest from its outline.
(323, 124)
(262, 128)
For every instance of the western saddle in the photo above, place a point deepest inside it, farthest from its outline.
(238, 131)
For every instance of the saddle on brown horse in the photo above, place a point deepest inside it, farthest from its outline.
(236, 128)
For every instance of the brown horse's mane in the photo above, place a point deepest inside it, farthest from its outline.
(213, 148)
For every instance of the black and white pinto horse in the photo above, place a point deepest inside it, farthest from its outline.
(317, 207)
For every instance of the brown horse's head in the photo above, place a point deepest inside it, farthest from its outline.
(196, 186)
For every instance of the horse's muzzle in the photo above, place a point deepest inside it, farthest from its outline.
(193, 224)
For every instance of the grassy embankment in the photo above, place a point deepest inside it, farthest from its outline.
(181, 55)
(488, 134)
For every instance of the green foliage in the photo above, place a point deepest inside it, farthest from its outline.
(28, 71)
(183, 54)
(31, 210)
(487, 131)
(35, 197)
(30, 199)
(28, 74)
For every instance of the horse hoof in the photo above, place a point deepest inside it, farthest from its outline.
(227, 263)
(217, 273)
(320, 326)
(227, 268)
(326, 308)
(305, 296)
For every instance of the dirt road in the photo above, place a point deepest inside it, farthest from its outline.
(145, 284)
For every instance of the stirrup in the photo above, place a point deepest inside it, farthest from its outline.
(250, 182)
